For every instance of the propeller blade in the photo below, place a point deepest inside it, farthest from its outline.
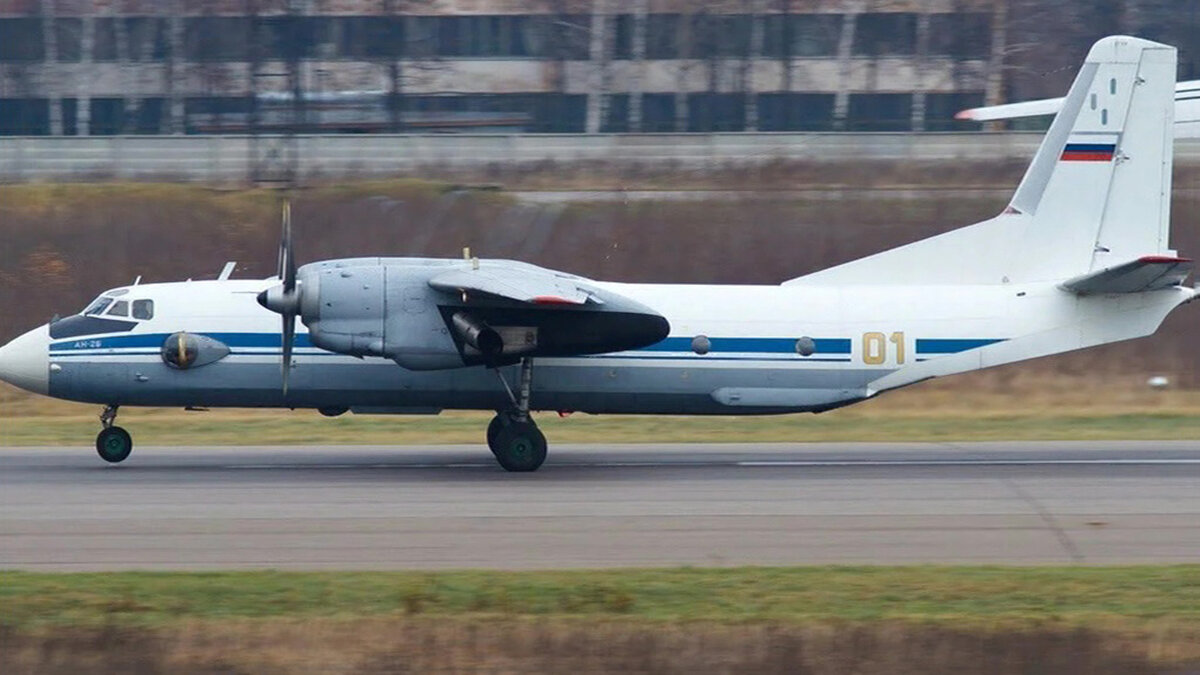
(287, 257)
(289, 336)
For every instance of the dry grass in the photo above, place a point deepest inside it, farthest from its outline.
(519, 647)
(761, 620)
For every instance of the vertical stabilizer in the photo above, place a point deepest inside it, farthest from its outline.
(1097, 193)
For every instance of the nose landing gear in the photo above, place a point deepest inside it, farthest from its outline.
(113, 443)
(512, 435)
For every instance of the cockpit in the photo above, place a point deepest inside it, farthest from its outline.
(117, 304)
(120, 310)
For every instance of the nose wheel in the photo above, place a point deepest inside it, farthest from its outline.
(113, 443)
(512, 435)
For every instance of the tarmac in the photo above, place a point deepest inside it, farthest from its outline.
(439, 507)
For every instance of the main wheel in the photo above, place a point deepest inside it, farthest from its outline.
(114, 444)
(519, 446)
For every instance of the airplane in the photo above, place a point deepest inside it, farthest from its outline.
(1079, 258)
(1187, 110)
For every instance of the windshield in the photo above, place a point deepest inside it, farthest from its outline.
(98, 305)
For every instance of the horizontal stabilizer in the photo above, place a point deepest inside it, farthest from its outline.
(1150, 273)
(523, 283)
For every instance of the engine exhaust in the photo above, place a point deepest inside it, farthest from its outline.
(478, 334)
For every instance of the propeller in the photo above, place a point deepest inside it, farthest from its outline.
(284, 299)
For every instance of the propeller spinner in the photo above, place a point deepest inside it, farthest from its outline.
(284, 299)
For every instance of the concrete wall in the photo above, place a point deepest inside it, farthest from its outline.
(225, 159)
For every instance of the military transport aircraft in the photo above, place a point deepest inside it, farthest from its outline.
(1079, 258)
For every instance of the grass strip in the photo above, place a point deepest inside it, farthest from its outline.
(1129, 597)
(302, 428)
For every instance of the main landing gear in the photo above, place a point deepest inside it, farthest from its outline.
(512, 435)
(112, 443)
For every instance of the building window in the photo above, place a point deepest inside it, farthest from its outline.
(888, 34)
(941, 108)
(960, 36)
(21, 40)
(716, 112)
(509, 36)
(104, 39)
(658, 112)
(622, 32)
(24, 117)
(68, 37)
(560, 113)
(70, 116)
(217, 38)
(880, 112)
(616, 114)
(567, 37)
(719, 36)
(802, 35)
(150, 116)
(795, 112)
(422, 36)
(107, 116)
(662, 36)
(357, 37)
(147, 38)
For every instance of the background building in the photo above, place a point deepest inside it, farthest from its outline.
(99, 67)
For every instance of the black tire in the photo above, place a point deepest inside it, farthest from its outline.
(520, 447)
(114, 444)
(498, 422)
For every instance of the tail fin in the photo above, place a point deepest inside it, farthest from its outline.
(1097, 193)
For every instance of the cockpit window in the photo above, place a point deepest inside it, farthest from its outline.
(143, 309)
(119, 308)
(98, 305)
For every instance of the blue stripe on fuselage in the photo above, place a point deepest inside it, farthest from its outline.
(726, 345)
(952, 346)
(752, 345)
(155, 340)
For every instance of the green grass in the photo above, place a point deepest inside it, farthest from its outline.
(295, 428)
(995, 595)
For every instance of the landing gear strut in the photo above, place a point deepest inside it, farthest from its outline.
(512, 435)
(112, 443)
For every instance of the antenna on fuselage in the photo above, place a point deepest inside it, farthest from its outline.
(227, 271)
(138, 280)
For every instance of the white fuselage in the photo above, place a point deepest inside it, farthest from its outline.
(866, 339)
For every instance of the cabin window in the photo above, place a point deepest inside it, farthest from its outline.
(98, 305)
(119, 308)
(143, 309)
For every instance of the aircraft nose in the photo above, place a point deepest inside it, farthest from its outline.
(25, 362)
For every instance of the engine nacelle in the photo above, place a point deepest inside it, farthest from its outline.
(386, 307)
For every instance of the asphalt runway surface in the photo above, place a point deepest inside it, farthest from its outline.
(601, 506)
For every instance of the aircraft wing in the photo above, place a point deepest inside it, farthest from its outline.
(1149, 273)
(523, 283)
(1187, 110)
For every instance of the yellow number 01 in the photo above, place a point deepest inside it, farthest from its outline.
(874, 348)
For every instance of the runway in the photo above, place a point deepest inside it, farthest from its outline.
(601, 506)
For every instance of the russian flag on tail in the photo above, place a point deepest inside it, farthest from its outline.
(1090, 148)
(1089, 152)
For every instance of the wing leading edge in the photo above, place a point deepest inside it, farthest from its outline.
(522, 283)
